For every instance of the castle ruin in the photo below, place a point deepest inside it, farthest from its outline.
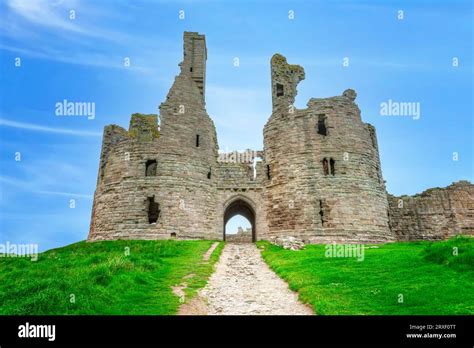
(318, 177)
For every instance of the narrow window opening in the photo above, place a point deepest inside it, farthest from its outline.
(197, 140)
(321, 213)
(322, 125)
(324, 212)
(191, 69)
(325, 166)
(279, 87)
(153, 210)
(150, 168)
(209, 174)
(268, 172)
(332, 162)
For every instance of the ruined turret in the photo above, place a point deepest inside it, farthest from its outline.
(285, 78)
(324, 181)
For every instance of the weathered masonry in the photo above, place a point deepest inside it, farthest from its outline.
(318, 177)
(437, 213)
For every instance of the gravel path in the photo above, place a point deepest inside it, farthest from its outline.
(243, 284)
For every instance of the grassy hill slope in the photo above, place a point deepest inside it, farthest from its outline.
(103, 278)
(411, 278)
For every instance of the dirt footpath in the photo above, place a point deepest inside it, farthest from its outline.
(243, 284)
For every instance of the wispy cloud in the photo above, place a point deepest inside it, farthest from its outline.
(55, 16)
(67, 194)
(53, 176)
(45, 13)
(46, 129)
(42, 29)
(28, 186)
(362, 62)
(77, 58)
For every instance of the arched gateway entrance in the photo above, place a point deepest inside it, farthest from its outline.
(240, 206)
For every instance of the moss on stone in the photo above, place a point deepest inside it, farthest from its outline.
(278, 58)
(141, 122)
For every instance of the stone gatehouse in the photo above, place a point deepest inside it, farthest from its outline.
(317, 178)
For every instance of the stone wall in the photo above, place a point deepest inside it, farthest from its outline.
(437, 213)
(237, 182)
(185, 151)
(325, 182)
(318, 177)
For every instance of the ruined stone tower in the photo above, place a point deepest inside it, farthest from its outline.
(158, 183)
(324, 179)
(318, 178)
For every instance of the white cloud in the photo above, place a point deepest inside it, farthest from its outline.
(31, 187)
(51, 176)
(54, 16)
(46, 129)
(42, 29)
(78, 58)
(67, 194)
(46, 13)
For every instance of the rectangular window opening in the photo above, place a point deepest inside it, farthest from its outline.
(150, 168)
(332, 163)
(153, 210)
(323, 212)
(279, 90)
(322, 125)
(325, 166)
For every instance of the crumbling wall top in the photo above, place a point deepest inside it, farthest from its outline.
(144, 127)
(194, 59)
(350, 94)
(285, 78)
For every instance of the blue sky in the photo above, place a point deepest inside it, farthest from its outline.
(82, 59)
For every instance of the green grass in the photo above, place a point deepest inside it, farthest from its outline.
(431, 279)
(103, 279)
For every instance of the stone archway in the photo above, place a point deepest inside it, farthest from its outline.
(240, 206)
